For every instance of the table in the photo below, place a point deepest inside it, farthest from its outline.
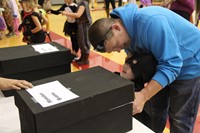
(10, 123)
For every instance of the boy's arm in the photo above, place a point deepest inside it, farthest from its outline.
(78, 14)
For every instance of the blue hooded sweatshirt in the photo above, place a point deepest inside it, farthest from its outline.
(174, 41)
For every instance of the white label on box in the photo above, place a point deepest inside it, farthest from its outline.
(45, 48)
(51, 93)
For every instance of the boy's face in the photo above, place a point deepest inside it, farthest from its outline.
(127, 72)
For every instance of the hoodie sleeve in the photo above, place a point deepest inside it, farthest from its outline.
(161, 40)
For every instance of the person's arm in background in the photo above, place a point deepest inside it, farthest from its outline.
(57, 12)
(78, 14)
(7, 84)
(43, 17)
(37, 24)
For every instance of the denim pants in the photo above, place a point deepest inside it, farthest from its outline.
(179, 101)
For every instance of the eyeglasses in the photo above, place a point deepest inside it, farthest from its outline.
(101, 47)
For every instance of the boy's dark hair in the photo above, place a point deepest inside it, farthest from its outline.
(143, 66)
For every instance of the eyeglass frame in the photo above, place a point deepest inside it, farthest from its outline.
(101, 45)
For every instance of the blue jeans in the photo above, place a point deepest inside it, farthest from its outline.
(184, 104)
(179, 101)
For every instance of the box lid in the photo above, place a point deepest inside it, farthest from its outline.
(99, 91)
(25, 58)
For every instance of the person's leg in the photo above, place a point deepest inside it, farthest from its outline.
(84, 45)
(75, 46)
(197, 11)
(73, 35)
(184, 104)
(119, 3)
(92, 4)
(9, 22)
(112, 3)
(87, 42)
(74, 42)
(107, 8)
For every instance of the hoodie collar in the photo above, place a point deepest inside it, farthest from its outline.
(126, 14)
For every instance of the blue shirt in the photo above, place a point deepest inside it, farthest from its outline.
(173, 41)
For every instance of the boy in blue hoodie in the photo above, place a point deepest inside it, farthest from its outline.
(170, 39)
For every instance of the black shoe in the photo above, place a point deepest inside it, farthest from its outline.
(75, 57)
(10, 34)
(82, 62)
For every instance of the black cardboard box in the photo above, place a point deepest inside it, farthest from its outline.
(23, 62)
(103, 105)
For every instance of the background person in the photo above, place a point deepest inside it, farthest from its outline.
(84, 21)
(31, 23)
(107, 6)
(184, 8)
(70, 26)
(9, 17)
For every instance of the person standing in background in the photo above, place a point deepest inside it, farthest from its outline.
(107, 3)
(9, 17)
(45, 5)
(31, 23)
(70, 26)
(119, 3)
(15, 13)
(92, 4)
(84, 21)
(184, 8)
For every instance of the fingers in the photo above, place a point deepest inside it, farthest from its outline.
(138, 104)
(136, 109)
(21, 84)
(26, 84)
